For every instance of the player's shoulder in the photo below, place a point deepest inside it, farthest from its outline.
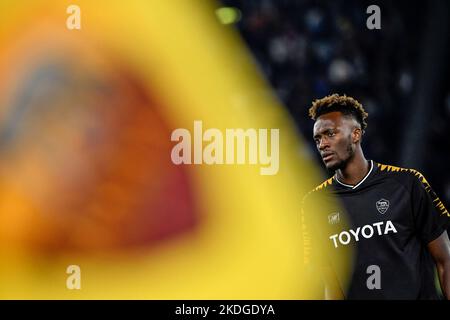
(324, 186)
(406, 175)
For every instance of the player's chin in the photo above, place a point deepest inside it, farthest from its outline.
(332, 165)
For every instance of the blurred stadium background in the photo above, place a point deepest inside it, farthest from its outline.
(401, 73)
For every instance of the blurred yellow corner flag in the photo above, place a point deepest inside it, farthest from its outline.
(92, 205)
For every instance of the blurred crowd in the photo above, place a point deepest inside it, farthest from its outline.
(308, 49)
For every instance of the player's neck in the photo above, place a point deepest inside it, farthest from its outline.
(355, 170)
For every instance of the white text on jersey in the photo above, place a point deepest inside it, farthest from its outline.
(366, 231)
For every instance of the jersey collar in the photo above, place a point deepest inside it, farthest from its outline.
(359, 183)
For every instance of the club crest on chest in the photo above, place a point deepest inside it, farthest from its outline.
(382, 205)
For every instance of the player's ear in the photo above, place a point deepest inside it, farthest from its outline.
(357, 134)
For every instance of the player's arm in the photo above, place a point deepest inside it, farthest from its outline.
(440, 250)
(315, 257)
(322, 279)
(432, 219)
(333, 290)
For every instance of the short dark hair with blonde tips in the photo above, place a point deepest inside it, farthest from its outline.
(342, 103)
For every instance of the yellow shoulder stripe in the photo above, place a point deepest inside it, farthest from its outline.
(438, 203)
(324, 184)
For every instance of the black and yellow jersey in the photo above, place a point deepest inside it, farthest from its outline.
(391, 216)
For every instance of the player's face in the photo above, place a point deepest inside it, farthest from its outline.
(333, 137)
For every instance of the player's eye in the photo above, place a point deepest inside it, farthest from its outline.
(331, 133)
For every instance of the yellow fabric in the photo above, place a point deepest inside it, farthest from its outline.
(246, 242)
